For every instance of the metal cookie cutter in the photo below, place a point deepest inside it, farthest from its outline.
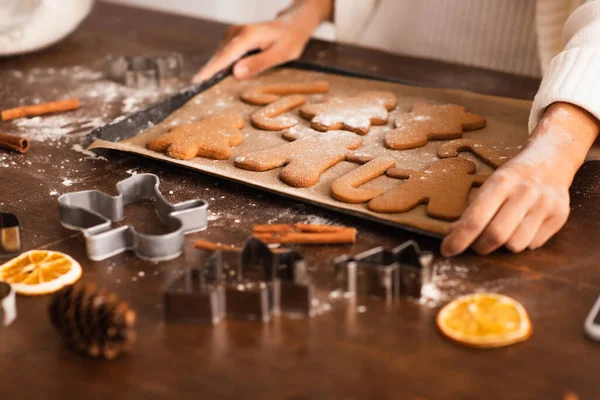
(400, 272)
(92, 212)
(10, 235)
(252, 284)
(8, 305)
(143, 72)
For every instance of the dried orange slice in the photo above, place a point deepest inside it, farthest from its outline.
(485, 320)
(40, 272)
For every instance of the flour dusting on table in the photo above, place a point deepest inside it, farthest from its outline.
(101, 100)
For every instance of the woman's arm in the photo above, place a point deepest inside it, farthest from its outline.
(280, 40)
(526, 201)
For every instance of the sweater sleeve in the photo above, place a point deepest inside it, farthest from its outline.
(350, 18)
(573, 76)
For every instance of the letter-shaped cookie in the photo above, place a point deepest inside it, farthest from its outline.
(266, 94)
(346, 188)
(431, 122)
(444, 186)
(304, 159)
(212, 137)
(268, 117)
(484, 152)
(354, 114)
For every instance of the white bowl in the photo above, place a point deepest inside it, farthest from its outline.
(30, 25)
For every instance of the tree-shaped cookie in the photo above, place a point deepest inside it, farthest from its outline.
(444, 186)
(484, 152)
(304, 159)
(261, 95)
(346, 188)
(431, 122)
(212, 137)
(269, 117)
(354, 114)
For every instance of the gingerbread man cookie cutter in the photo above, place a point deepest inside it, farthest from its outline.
(92, 212)
(387, 273)
(8, 305)
(253, 284)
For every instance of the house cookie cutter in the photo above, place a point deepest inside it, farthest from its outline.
(143, 72)
(10, 235)
(8, 305)
(92, 212)
(387, 273)
(254, 283)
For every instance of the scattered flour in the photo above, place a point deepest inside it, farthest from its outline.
(89, 154)
(317, 220)
(67, 182)
(101, 101)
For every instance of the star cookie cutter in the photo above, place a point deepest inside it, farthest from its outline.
(10, 235)
(254, 284)
(92, 212)
(8, 305)
(387, 273)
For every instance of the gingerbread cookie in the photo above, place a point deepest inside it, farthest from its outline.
(211, 137)
(268, 117)
(354, 114)
(346, 188)
(266, 94)
(304, 160)
(431, 122)
(444, 186)
(484, 152)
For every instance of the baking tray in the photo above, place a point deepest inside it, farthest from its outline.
(127, 127)
(135, 123)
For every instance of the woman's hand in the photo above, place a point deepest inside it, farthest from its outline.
(279, 41)
(526, 201)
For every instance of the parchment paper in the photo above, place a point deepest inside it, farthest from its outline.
(506, 131)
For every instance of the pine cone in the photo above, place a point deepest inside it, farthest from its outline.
(93, 321)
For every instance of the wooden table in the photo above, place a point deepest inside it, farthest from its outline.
(383, 352)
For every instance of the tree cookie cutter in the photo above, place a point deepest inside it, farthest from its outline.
(387, 273)
(143, 72)
(92, 212)
(254, 283)
(8, 304)
(10, 235)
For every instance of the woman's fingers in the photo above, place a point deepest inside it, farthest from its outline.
(550, 226)
(474, 220)
(507, 220)
(270, 57)
(246, 39)
(529, 227)
(230, 33)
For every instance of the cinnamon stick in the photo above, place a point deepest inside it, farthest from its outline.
(343, 236)
(318, 228)
(14, 143)
(282, 228)
(272, 228)
(212, 246)
(40, 109)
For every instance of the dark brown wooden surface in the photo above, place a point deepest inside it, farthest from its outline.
(385, 352)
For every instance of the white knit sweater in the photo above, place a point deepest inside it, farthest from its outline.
(568, 45)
